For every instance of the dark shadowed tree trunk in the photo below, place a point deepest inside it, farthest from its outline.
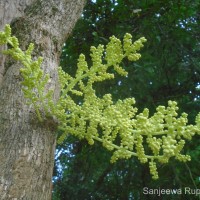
(26, 146)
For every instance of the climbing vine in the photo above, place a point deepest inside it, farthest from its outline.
(117, 125)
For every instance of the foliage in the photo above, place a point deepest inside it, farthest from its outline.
(169, 69)
(100, 118)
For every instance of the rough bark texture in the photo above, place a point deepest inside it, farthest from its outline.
(10, 10)
(26, 146)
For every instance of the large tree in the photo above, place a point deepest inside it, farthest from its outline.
(27, 147)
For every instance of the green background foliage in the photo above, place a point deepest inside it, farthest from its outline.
(169, 69)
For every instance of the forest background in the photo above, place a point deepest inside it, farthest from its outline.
(168, 70)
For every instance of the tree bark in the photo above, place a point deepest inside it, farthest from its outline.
(26, 146)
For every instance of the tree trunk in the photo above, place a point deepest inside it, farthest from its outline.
(26, 146)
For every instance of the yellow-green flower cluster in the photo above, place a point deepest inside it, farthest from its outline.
(34, 80)
(132, 48)
(198, 122)
(153, 169)
(154, 144)
(116, 125)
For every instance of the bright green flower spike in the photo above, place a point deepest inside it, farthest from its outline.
(101, 119)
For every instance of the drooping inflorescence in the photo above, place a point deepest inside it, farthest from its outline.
(115, 124)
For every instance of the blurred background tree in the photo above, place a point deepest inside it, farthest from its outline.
(168, 70)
